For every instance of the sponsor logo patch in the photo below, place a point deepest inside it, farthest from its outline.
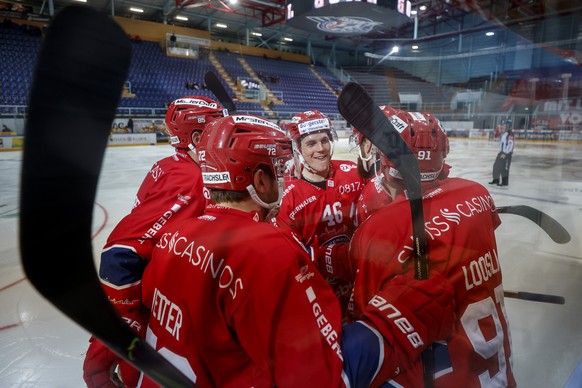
(398, 123)
(313, 126)
(255, 120)
(216, 177)
(195, 101)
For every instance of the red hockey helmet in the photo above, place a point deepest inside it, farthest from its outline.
(308, 122)
(234, 146)
(427, 140)
(356, 137)
(190, 114)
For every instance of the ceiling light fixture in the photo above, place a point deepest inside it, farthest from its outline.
(256, 34)
(415, 47)
(220, 25)
(423, 8)
(180, 17)
(135, 9)
(288, 39)
(490, 33)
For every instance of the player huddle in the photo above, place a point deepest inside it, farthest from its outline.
(252, 258)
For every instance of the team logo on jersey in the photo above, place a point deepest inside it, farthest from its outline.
(185, 199)
(344, 24)
(195, 101)
(347, 167)
(206, 193)
(304, 274)
(216, 177)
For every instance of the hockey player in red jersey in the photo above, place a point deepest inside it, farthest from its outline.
(319, 205)
(237, 302)
(172, 191)
(460, 220)
(372, 197)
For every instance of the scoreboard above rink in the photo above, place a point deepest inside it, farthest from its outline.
(347, 18)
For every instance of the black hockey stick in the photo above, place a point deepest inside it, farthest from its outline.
(534, 297)
(80, 72)
(552, 227)
(360, 110)
(215, 86)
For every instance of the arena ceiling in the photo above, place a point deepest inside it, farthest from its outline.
(247, 18)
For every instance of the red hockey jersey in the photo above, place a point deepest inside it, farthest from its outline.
(325, 217)
(238, 303)
(328, 213)
(171, 192)
(460, 220)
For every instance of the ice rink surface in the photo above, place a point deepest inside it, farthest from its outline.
(39, 347)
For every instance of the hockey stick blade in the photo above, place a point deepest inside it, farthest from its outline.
(360, 110)
(79, 75)
(215, 86)
(553, 228)
(535, 297)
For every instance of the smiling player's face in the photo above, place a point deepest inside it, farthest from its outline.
(316, 150)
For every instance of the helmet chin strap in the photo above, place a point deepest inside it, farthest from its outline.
(366, 160)
(272, 207)
(193, 153)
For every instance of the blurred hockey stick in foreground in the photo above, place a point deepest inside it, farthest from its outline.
(213, 84)
(81, 69)
(552, 227)
(360, 111)
(557, 233)
(534, 297)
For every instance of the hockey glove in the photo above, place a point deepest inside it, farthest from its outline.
(100, 362)
(98, 365)
(411, 314)
(333, 261)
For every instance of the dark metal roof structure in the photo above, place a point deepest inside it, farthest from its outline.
(262, 23)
